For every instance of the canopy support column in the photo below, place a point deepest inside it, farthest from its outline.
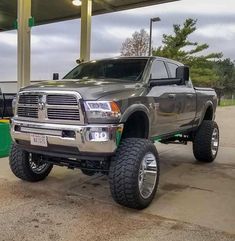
(24, 45)
(85, 44)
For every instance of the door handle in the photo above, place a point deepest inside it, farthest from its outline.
(172, 96)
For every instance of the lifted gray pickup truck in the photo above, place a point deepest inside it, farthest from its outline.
(105, 116)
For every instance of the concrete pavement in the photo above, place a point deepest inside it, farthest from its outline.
(194, 202)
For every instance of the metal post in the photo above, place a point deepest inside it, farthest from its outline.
(150, 37)
(157, 19)
(85, 45)
(24, 35)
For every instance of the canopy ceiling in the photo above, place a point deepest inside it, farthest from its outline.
(49, 11)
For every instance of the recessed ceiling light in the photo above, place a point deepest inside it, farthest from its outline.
(77, 3)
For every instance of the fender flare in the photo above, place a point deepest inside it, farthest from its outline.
(135, 108)
(205, 108)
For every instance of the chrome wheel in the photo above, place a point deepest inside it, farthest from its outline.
(147, 175)
(37, 166)
(215, 141)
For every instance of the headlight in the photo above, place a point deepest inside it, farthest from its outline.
(102, 109)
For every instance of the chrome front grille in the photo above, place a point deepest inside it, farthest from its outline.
(63, 114)
(50, 106)
(30, 112)
(61, 100)
(29, 99)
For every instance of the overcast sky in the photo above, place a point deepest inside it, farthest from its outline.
(55, 47)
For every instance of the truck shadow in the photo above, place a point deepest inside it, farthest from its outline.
(175, 161)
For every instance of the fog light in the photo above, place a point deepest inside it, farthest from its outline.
(77, 3)
(97, 134)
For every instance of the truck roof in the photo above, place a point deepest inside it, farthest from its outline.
(141, 57)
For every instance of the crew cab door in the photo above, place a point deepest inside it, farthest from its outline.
(164, 103)
(185, 99)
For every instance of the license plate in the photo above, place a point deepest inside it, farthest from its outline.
(38, 140)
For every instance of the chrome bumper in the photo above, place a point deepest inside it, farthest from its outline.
(21, 130)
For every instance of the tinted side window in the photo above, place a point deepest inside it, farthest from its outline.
(158, 70)
(172, 68)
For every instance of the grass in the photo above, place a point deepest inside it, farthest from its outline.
(227, 102)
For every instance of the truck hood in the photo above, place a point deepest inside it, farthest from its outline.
(91, 89)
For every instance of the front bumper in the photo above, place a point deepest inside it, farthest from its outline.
(21, 133)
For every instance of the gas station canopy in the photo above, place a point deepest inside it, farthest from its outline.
(49, 11)
(24, 14)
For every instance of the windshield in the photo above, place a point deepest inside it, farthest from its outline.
(123, 69)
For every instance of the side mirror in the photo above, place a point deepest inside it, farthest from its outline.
(182, 72)
(56, 76)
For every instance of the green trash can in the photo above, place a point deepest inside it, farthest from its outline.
(5, 139)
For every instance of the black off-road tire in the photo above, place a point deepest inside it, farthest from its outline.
(202, 143)
(20, 166)
(124, 172)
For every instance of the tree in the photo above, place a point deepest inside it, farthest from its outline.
(226, 72)
(180, 48)
(137, 45)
